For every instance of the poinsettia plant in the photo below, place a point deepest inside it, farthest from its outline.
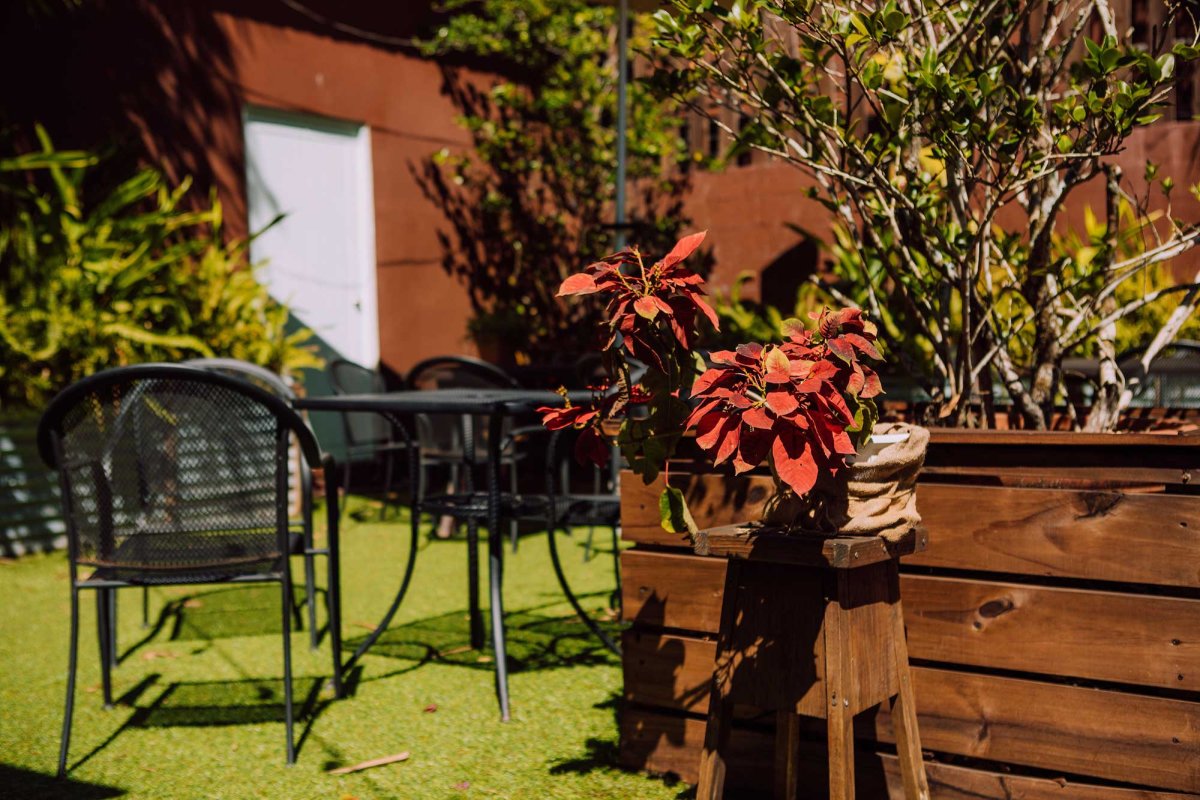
(653, 311)
(802, 405)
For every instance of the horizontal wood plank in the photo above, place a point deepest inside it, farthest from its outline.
(1098, 535)
(1117, 736)
(666, 743)
(1095, 635)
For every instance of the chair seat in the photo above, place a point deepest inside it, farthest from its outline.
(475, 505)
(587, 509)
(228, 556)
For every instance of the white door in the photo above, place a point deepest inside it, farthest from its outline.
(320, 259)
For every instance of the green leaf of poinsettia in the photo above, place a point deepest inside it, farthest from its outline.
(672, 508)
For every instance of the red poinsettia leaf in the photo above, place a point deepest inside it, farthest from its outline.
(579, 283)
(840, 348)
(663, 306)
(591, 448)
(794, 329)
(757, 417)
(739, 401)
(793, 460)
(711, 378)
(682, 249)
(748, 355)
(723, 357)
(782, 402)
(646, 307)
(753, 446)
(708, 430)
(872, 386)
(854, 383)
(558, 418)
(835, 405)
(863, 345)
(730, 436)
(707, 310)
(702, 411)
(777, 366)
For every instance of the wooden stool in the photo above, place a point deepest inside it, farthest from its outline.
(812, 627)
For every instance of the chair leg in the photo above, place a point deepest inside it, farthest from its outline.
(287, 666)
(65, 743)
(333, 604)
(474, 615)
(112, 628)
(145, 607)
(617, 594)
(104, 638)
(389, 474)
(345, 488)
(310, 599)
(496, 606)
(514, 527)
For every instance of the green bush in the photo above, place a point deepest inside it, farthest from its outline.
(135, 276)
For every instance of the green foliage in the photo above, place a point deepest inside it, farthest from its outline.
(134, 276)
(744, 320)
(531, 201)
(947, 140)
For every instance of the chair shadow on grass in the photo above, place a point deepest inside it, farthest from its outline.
(29, 785)
(536, 641)
(205, 616)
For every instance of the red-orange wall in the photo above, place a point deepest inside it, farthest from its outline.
(177, 75)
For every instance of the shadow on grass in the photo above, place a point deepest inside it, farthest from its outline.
(203, 703)
(535, 641)
(27, 785)
(605, 755)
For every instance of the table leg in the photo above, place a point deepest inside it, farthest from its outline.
(474, 615)
(496, 562)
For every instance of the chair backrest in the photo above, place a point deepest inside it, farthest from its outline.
(360, 429)
(459, 372)
(274, 383)
(173, 467)
(261, 377)
(441, 433)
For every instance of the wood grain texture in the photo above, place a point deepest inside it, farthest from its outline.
(756, 543)
(1138, 639)
(1099, 535)
(1111, 735)
(666, 743)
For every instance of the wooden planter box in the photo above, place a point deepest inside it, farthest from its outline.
(1053, 624)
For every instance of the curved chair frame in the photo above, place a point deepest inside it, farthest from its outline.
(289, 423)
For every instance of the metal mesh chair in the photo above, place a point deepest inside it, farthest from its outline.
(171, 475)
(368, 435)
(302, 479)
(441, 438)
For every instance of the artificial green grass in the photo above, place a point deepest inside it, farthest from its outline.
(199, 711)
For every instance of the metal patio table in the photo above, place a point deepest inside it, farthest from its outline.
(495, 405)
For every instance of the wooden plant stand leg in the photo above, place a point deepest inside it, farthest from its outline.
(840, 691)
(720, 703)
(903, 706)
(787, 751)
(810, 627)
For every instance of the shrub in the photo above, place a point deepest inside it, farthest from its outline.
(134, 276)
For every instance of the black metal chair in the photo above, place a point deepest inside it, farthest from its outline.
(440, 438)
(366, 435)
(177, 475)
(566, 508)
(303, 479)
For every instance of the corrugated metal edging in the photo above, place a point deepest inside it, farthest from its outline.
(30, 516)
